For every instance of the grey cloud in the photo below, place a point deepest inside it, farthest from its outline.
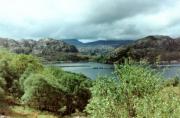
(105, 11)
(102, 19)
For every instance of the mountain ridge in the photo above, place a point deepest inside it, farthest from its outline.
(108, 42)
(47, 48)
(151, 48)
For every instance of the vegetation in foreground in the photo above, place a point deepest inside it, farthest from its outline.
(138, 91)
(27, 88)
(44, 88)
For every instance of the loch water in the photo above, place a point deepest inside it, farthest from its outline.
(93, 70)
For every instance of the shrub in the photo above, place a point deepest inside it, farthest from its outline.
(165, 104)
(21, 62)
(7, 72)
(56, 90)
(12, 66)
(42, 95)
(29, 70)
(117, 98)
(2, 86)
(105, 94)
(2, 83)
(172, 82)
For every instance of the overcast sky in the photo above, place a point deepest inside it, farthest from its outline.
(89, 19)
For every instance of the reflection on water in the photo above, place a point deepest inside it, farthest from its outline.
(93, 70)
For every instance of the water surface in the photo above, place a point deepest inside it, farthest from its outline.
(93, 70)
(89, 69)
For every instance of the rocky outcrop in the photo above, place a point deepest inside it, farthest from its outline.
(42, 47)
(151, 48)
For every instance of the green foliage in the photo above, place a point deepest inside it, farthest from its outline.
(138, 80)
(26, 74)
(41, 95)
(101, 59)
(105, 94)
(2, 86)
(118, 97)
(56, 90)
(2, 83)
(13, 65)
(67, 81)
(137, 91)
(44, 88)
(172, 82)
(6, 71)
(21, 62)
(166, 105)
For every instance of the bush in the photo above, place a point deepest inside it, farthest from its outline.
(172, 82)
(49, 88)
(12, 66)
(42, 95)
(57, 91)
(7, 72)
(158, 106)
(105, 94)
(117, 97)
(21, 62)
(2, 86)
(29, 70)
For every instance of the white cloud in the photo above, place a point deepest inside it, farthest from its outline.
(88, 18)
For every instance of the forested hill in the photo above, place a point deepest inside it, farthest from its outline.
(151, 48)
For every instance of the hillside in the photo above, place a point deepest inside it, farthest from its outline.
(108, 42)
(47, 48)
(151, 48)
(99, 47)
(74, 42)
(112, 43)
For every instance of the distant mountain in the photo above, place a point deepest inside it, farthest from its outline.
(47, 48)
(74, 42)
(111, 43)
(151, 48)
(99, 47)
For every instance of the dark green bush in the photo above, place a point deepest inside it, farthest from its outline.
(172, 82)
(2, 87)
(12, 66)
(57, 91)
(40, 94)
(49, 88)
(21, 62)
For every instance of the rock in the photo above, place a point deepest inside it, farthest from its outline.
(42, 47)
(151, 48)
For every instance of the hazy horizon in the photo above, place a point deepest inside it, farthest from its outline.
(88, 19)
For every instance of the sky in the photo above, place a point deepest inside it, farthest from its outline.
(89, 19)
